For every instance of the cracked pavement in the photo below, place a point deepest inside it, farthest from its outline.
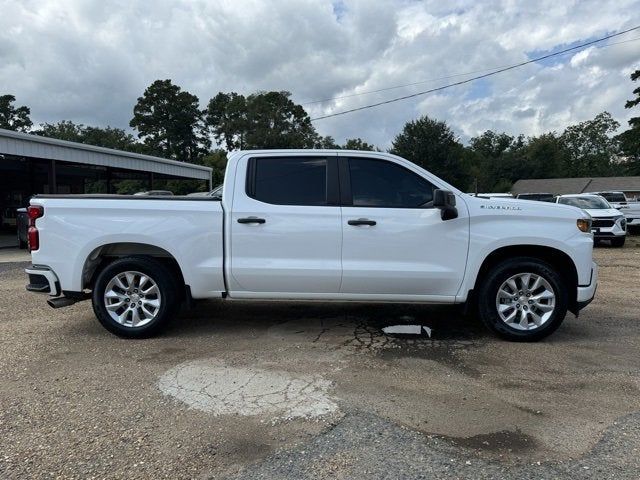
(276, 390)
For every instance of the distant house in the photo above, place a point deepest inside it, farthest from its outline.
(560, 186)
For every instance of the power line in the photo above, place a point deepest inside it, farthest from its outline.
(493, 72)
(395, 87)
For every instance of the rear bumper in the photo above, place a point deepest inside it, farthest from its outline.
(587, 292)
(43, 280)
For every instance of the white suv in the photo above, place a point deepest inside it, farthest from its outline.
(607, 222)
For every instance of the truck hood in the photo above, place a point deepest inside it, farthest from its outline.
(603, 212)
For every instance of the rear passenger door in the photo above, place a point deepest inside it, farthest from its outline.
(286, 232)
(395, 244)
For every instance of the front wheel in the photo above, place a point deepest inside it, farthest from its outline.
(135, 297)
(523, 299)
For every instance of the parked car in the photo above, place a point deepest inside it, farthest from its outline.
(216, 192)
(155, 193)
(607, 222)
(619, 200)
(22, 225)
(315, 225)
(540, 197)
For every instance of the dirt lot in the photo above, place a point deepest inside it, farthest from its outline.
(319, 391)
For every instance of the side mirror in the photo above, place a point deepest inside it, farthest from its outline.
(445, 200)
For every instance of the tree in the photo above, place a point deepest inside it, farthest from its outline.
(170, 122)
(545, 156)
(431, 144)
(262, 120)
(217, 160)
(226, 116)
(108, 137)
(635, 121)
(358, 144)
(63, 130)
(590, 147)
(491, 144)
(12, 118)
(327, 143)
(629, 140)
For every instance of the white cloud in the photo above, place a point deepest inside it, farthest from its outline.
(88, 61)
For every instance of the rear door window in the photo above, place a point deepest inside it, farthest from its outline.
(288, 180)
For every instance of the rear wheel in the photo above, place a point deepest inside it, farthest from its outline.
(523, 299)
(135, 297)
(618, 242)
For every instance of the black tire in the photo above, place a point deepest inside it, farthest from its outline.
(618, 242)
(165, 281)
(493, 280)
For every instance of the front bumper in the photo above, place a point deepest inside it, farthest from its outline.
(587, 292)
(43, 280)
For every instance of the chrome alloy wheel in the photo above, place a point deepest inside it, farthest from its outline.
(525, 301)
(132, 299)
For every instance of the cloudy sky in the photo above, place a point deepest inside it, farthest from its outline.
(88, 60)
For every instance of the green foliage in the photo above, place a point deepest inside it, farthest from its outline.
(327, 143)
(629, 140)
(431, 144)
(170, 122)
(12, 118)
(108, 137)
(63, 130)
(217, 160)
(634, 121)
(227, 117)
(590, 146)
(359, 144)
(263, 120)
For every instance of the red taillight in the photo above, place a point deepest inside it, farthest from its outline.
(34, 211)
(33, 236)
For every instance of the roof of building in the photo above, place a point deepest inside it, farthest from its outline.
(561, 186)
(29, 145)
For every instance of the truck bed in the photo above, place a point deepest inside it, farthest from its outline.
(77, 228)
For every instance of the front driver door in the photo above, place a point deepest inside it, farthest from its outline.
(395, 243)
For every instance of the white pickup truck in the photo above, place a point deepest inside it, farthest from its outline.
(314, 225)
(630, 210)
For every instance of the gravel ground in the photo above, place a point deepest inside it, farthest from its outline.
(275, 390)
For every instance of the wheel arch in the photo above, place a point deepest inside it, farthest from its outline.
(554, 257)
(106, 253)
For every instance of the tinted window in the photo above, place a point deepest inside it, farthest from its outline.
(378, 183)
(614, 197)
(290, 181)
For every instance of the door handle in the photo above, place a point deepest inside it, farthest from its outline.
(362, 221)
(251, 220)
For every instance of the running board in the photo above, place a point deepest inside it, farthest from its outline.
(60, 302)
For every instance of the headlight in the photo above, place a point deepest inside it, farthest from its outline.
(584, 225)
(623, 223)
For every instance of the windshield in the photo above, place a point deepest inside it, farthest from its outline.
(585, 202)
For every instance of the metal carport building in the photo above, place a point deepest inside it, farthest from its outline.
(30, 164)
